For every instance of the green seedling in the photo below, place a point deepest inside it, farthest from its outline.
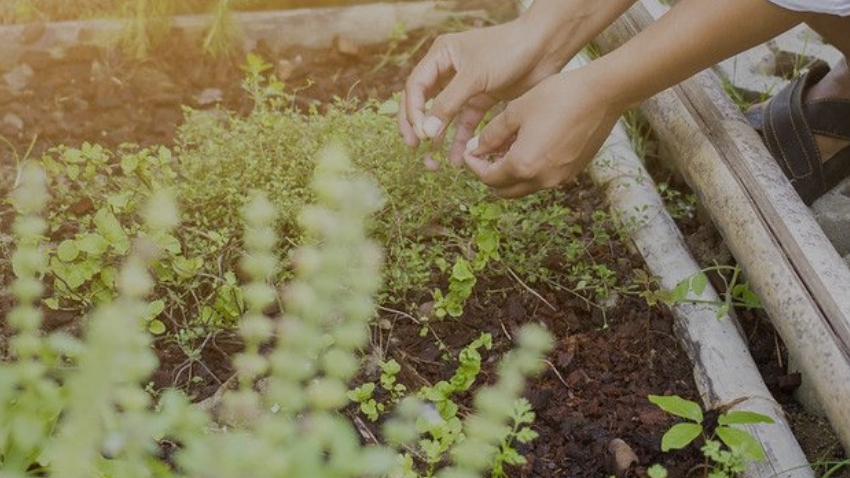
(739, 444)
(736, 294)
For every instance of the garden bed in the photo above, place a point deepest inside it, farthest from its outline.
(609, 355)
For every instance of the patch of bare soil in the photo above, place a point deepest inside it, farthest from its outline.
(595, 386)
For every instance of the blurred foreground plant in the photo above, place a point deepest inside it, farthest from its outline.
(74, 407)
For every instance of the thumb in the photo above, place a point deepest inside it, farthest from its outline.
(496, 136)
(448, 103)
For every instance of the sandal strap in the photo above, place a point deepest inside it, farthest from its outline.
(788, 135)
(829, 117)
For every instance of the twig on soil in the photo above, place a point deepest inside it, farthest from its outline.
(400, 313)
(557, 373)
(365, 431)
(778, 346)
(532, 291)
(505, 330)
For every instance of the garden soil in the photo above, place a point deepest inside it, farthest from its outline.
(605, 363)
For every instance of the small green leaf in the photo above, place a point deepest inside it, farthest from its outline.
(119, 201)
(512, 457)
(461, 271)
(168, 243)
(390, 367)
(92, 244)
(156, 327)
(680, 292)
(680, 435)
(73, 171)
(526, 435)
(155, 308)
(129, 164)
(109, 227)
(67, 251)
(678, 406)
(741, 441)
(656, 471)
(743, 417)
(698, 283)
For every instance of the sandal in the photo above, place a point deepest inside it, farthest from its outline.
(788, 125)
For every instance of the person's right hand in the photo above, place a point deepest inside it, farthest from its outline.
(466, 74)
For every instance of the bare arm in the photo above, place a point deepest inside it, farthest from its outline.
(560, 125)
(564, 27)
(694, 35)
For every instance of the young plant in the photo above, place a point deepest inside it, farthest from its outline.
(442, 427)
(521, 432)
(739, 444)
(484, 250)
(735, 294)
(364, 394)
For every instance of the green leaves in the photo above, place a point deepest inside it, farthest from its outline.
(111, 231)
(741, 444)
(155, 326)
(67, 251)
(741, 441)
(678, 406)
(92, 244)
(743, 417)
(680, 435)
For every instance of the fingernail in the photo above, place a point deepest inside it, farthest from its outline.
(431, 164)
(472, 144)
(432, 126)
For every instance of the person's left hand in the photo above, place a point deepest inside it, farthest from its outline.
(545, 137)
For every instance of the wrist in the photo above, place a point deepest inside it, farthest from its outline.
(561, 28)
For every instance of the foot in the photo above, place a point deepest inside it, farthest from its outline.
(836, 84)
(801, 126)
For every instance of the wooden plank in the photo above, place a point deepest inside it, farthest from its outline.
(724, 371)
(802, 281)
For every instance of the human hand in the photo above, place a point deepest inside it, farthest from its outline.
(466, 74)
(545, 137)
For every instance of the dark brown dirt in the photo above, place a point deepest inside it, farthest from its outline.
(595, 385)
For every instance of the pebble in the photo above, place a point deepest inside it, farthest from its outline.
(620, 457)
(14, 121)
(284, 69)
(18, 78)
(209, 96)
(346, 46)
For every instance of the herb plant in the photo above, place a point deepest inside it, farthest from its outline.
(74, 407)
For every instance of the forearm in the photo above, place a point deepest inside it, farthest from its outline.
(564, 27)
(694, 35)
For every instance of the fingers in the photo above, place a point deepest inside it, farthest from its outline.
(449, 103)
(497, 136)
(425, 78)
(467, 122)
(510, 160)
(404, 127)
(506, 179)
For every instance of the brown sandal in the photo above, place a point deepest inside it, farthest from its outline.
(788, 125)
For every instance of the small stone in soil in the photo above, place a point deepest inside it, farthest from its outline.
(346, 46)
(18, 78)
(209, 96)
(620, 457)
(14, 121)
